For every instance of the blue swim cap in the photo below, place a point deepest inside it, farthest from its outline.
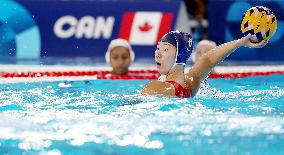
(183, 42)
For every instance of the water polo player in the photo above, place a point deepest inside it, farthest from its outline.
(171, 55)
(201, 48)
(119, 55)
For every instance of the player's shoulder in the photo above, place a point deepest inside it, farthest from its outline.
(158, 87)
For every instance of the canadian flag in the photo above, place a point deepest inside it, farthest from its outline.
(145, 28)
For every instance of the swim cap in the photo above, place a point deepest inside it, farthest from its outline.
(183, 42)
(119, 42)
(201, 43)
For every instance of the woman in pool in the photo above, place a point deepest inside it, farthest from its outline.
(171, 55)
(119, 55)
(202, 47)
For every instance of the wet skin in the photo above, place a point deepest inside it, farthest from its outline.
(165, 57)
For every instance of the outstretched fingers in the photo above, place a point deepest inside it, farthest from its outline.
(257, 45)
(245, 41)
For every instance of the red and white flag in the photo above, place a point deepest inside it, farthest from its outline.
(145, 28)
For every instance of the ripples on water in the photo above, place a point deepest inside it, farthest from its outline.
(233, 116)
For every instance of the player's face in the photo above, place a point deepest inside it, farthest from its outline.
(120, 60)
(165, 55)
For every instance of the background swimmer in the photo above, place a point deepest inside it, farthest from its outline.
(171, 54)
(119, 55)
(201, 48)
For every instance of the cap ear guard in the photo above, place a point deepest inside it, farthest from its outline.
(184, 47)
(182, 56)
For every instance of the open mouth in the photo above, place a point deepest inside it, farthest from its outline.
(158, 64)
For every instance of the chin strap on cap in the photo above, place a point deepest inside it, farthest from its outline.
(184, 45)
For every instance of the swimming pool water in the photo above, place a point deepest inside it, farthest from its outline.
(230, 116)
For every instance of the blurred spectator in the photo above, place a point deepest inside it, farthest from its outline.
(197, 10)
(119, 55)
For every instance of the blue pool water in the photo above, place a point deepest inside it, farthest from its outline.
(231, 116)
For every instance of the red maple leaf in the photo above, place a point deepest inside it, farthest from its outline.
(145, 27)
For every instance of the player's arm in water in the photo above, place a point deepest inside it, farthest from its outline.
(207, 61)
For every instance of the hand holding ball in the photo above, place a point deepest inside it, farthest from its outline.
(260, 23)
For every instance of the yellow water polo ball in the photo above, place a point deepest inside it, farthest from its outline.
(260, 22)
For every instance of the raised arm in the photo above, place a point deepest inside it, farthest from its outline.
(207, 61)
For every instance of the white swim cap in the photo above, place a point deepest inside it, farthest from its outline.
(201, 43)
(119, 42)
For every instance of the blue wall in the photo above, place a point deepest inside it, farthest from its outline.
(27, 26)
(225, 22)
(29, 30)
